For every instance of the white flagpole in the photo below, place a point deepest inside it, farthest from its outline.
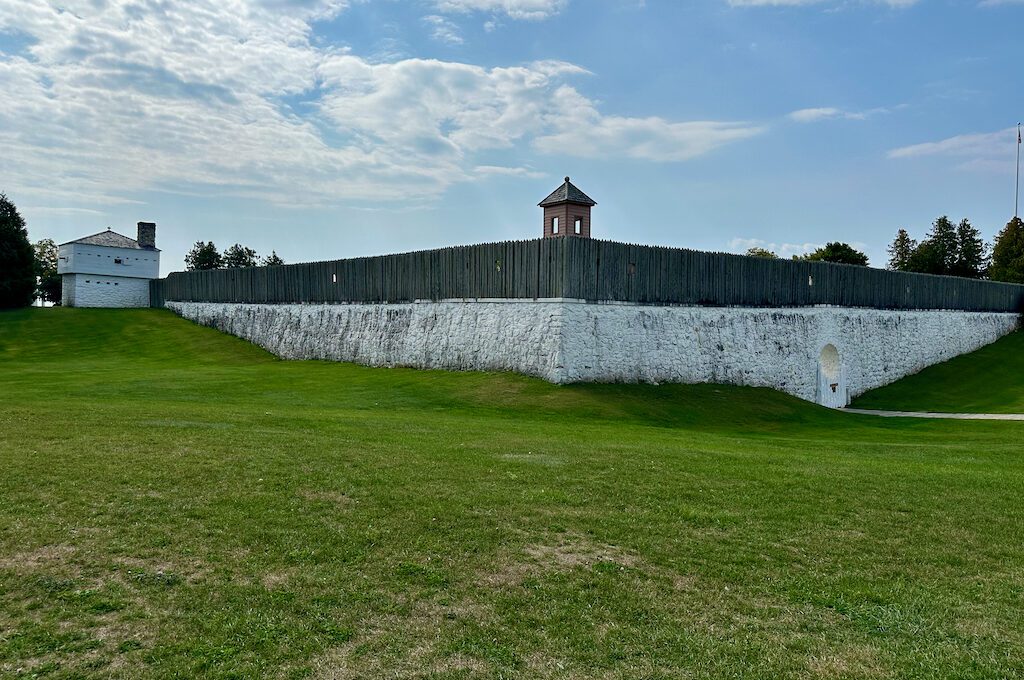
(1017, 186)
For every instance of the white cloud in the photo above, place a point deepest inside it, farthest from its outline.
(644, 138)
(815, 115)
(803, 3)
(508, 172)
(515, 9)
(443, 30)
(986, 151)
(783, 250)
(237, 98)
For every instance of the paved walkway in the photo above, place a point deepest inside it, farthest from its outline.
(924, 414)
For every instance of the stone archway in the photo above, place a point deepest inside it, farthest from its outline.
(832, 391)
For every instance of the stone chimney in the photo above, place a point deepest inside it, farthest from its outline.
(147, 234)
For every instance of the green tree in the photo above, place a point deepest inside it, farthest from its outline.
(48, 287)
(901, 250)
(761, 252)
(1008, 253)
(272, 260)
(927, 258)
(943, 248)
(239, 256)
(17, 262)
(204, 255)
(835, 251)
(971, 252)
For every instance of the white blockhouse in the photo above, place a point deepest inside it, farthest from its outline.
(108, 269)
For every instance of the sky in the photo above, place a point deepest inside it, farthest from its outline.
(323, 129)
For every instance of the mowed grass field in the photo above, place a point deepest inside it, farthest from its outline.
(177, 503)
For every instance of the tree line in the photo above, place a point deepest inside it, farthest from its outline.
(960, 250)
(842, 253)
(204, 255)
(27, 271)
(947, 249)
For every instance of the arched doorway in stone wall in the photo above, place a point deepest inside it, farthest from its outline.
(832, 390)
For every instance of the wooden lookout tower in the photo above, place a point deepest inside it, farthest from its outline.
(567, 212)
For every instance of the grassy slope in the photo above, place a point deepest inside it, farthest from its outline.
(990, 380)
(177, 502)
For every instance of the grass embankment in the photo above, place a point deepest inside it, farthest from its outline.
(990, 380)
(175, 502)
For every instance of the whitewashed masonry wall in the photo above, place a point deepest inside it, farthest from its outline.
(571, 341)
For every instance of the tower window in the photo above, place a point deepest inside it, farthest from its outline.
(578, 225)
(554, 225)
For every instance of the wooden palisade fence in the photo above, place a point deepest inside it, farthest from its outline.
(587, 269)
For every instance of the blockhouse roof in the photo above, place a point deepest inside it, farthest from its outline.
(111, 239)
(567, 193)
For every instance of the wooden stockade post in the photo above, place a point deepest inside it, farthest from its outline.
(591, 270)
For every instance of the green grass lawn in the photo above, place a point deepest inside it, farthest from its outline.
(990, 380)
(177, 503)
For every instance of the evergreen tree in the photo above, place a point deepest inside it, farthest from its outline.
(1008, 253)
(17, 260)
(971, 252)
(943, 240)
(204, 255)
(239, 256)
(835, 251)
(272, 260)
(49, 285)
(901, 250)
(937, 253)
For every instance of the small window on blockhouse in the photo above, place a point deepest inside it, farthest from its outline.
(118, 260)
(554, 225)
(578, 225)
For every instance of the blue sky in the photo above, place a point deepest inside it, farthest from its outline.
(325, 128)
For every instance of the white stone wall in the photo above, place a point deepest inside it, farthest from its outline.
(569, 341)
(778, 348)
(502, 336)
(92, 290)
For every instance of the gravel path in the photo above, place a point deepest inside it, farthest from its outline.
(925, 414)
